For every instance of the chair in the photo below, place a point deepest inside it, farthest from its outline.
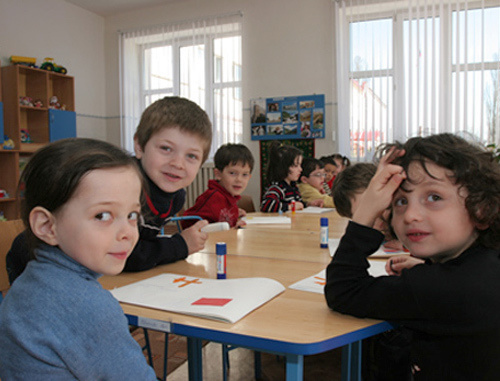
(246, 203)
(10, 230)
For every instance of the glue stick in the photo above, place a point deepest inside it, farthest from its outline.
(323, 235)
(220, 250)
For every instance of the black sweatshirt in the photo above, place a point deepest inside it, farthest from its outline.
(452, 308)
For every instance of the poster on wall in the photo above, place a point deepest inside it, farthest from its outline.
(299, 117)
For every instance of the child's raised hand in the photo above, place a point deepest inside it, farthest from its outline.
(398, 263)
(194, 237)
(378, 196)
(319, 203)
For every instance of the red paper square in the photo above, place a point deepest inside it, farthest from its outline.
(218, 302)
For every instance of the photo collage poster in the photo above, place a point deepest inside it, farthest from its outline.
(299, 117)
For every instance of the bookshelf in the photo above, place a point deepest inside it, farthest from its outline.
(42, 123)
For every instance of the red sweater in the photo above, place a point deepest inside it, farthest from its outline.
(216, 204)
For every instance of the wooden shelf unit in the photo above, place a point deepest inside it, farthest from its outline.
(21, 81)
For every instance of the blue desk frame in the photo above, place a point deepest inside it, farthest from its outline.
(294, 353)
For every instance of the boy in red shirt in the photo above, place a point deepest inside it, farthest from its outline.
(233, 169)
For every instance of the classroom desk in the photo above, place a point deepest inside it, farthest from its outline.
(303, 222)
(295, 323)
(271, 243)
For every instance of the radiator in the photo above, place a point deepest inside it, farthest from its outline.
(200, 184)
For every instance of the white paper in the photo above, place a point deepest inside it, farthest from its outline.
(316, 283)
(251, 220)
(315, 210)
(333, 244)
(224, 299)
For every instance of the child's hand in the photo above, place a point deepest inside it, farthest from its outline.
(241, 212)
(240, 224)
(378, 196)
(195, 239)
(396, 264)
(319, 203)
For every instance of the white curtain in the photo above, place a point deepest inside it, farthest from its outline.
(414, 68)
(196, 59)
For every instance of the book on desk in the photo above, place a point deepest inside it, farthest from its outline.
(227, 300)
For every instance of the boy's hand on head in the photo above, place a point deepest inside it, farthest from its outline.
(378, 196)
(194, 237)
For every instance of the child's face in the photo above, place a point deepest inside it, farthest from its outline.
(97, 227)
(316, 178)
(234, 178)
(431, 219)
(340, 167)
(171, 158)
(294, 170)
(330, 171)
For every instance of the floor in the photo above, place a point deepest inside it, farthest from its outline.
(321, 367)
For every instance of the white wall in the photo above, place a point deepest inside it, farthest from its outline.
(74, 38)
(287, 50)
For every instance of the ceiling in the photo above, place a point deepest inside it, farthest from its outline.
(111, 7)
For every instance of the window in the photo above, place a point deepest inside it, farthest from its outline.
(416, 71)
(198, 60)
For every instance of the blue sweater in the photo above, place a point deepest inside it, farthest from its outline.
(58, 323)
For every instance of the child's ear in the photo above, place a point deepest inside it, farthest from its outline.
(304, 179)
(137, 149)
(218, 174)
(42, 224)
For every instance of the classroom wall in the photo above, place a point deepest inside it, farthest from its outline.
(74, 38)
(288, 49)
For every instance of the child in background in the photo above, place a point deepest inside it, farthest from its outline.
(283, 172)
(330, 170)
(444, 195)
(172, 141)
(311, 183)
(233, 169)
(81, 208)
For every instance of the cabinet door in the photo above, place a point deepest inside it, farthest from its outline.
(62, 124)
(1, 122)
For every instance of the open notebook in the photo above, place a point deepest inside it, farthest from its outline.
(316, 283)
(220, 299)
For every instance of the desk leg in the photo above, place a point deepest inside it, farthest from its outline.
(294, 367)
(195, 359)
(351, 362)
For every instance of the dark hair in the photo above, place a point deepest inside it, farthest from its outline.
(231, 153)
(281, 158)
(348, 183)
(171, 112)
(309, 165)
(328, 160)
(53, 174)
(473, 168)
(343, 159)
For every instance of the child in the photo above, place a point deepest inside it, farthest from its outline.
(350, 185)
(283, 172)
(172, 141)
(444, 195)
(81, 209)
(330, 170)
(233, 169)
(311, 183)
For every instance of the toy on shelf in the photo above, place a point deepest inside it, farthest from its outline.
(38, 103)
(54, 103)
(3, 193)
(25, 136)
(50, 65)
(8, 143)
(26, 101)
(26, 61)
(2, 217)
